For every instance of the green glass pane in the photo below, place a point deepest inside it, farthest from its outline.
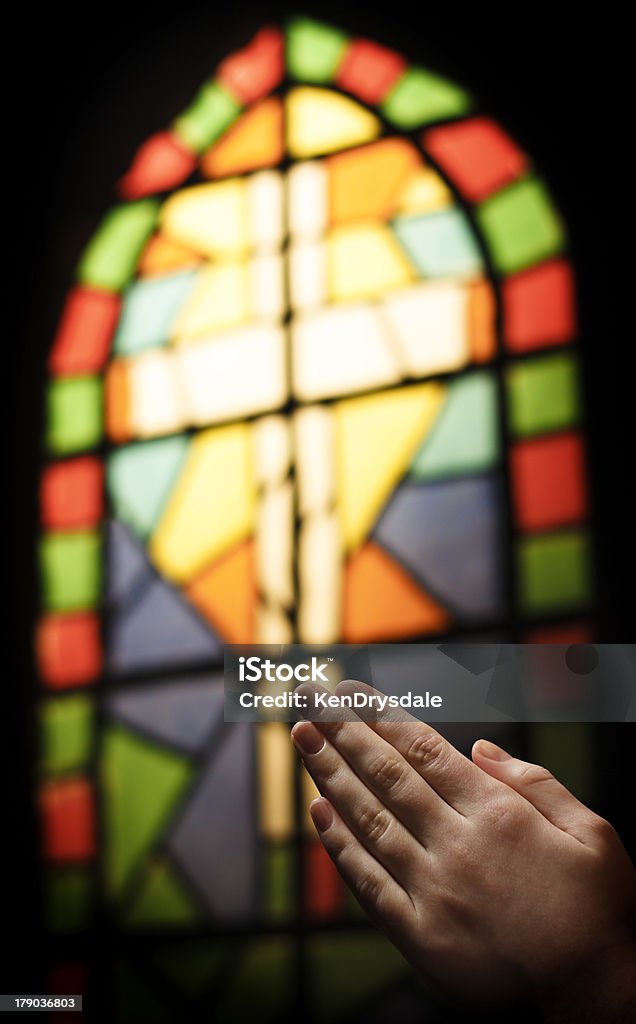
(568, 750)
(73, 414)
(193, 965)
(521, 226)
(150, 309)
(71, 571)
(261, 986)
(67, 899)
(162, 899)
(420, 97)
(314, 50)
(542, 394)
(465, 438)
(554, 572)
(347, 969)
(210, 113)
(140, 478)
(66, 733)
(141, 785)
(440, 244)
(278, 883)
(111, 256)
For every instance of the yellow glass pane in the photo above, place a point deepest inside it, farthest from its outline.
(265, 209)
(164, 257)
(272, 453)
(212, 506)
(272, 626)
(377, 437)
(274, 545)
(363, 261)
(314, 459)
(424, 192)
(212, 219)
(156, 405)
(320, 121)
(256, 140)
(267, 287)
(307, 274)
(430, 326)
(235, 374)
(275, 775)
(307, 199)
(364, 183)
(340, 350)
(220, 299)
(320, 573)
(309, 792)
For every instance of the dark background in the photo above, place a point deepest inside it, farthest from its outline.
(90, 84)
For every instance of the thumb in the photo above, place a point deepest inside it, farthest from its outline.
(536, 784)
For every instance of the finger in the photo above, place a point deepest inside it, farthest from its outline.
(371, 822)
(377, 892)
(388, 774)
(453, 777)
(536, 784)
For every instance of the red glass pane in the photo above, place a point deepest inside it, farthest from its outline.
(69, 649)
(161, 163)
(71, 494)
(323, 886)
(254, 71)
(369, 71)
(477, 155)
(539, 307)
(83, 338)
(564, 633)
(68, 820)
(548, 481)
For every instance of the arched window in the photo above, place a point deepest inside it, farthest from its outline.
(316, 380)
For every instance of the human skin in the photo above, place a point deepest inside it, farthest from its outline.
(489, 876)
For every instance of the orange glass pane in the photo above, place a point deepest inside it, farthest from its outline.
(68, 649)
(548, 481)
(256, 140)
(482, 333)
(225, 594)
(369, 71)
(254, 71)
(68, 820)
(71, 494)
(382, 601)
(364, 183)
(117, 402)
(477, 155)
(84, 335)
(569, 633)
(161, 163)
(162, 256)
(539, 307)
(321, 882)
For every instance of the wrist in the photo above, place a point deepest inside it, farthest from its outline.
(601, 991)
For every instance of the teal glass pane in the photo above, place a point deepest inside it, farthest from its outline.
(554, 572)
(314, 51)
(440, 244)
(465, 438)
(66, 733)
(150, 309)
(211, 112)
(521, 226)
(420, 97)
(71, 570)
(110, 258)
(140, 478)
(73, 414)
(542, 394)
(67, 899)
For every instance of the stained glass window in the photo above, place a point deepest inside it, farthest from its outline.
(316, 380)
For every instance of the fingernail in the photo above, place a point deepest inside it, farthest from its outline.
(307, 738)
(492, 751)
(321, 814)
